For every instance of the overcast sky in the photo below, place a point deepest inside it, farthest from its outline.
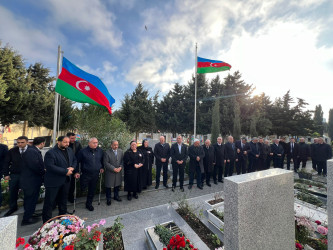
(277, 45)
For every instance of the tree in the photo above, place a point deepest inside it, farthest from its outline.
(215, 121)
(330, 124)
(237, 125)
(15, 84)
(318, 119)
(253, 126)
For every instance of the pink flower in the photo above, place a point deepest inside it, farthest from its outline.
(322, 230)
(89, 228)
(102, 222)
(318, 222)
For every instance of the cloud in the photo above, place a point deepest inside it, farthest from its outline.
(106, 73)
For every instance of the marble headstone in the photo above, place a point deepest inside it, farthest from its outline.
(8, 226)
(259, 211)
(330, 203)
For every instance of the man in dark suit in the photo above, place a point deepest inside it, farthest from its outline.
(196, 154)
(12, 171)
(323, 152)
(231, 156)
(91, 160)
(31, 179)
(277, 150)
(60, 164)
(162, 155)
(292, 154)
(3, 153)
(283, 143)
(179, 156)
(313, 155)
(254, 155)
(243, 149)
(219, 160)
(76, 147)
(303, 152)
(208, 161)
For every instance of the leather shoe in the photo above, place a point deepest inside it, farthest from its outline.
(129, 197)
(68, 212)
(117, 198)
(208, 184)
(90, 207)
(200, 187)
(173, 189)
(189, 186)
(36, 215)
(156, 187)
(9, 212)
(108, 202)
(221, 181)
(29, 222)
(135, 196)
(182, 189)
(166, 186)
(215, 182)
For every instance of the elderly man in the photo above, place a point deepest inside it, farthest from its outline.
(266, 153)
(91, 160)
(323, 152)
(196, 154)
(254, 155)
(219, 160)
(60, 163)
(292, 154)
(243, 149)
(231, 156)
(303, 152)
(113, 163)
(278, 151)
(162, 155)
(209, 162)
(313, 155)
(179, 154)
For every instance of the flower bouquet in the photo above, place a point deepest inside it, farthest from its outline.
(177, 242)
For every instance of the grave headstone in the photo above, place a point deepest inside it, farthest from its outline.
(330, 203)
(8, 226)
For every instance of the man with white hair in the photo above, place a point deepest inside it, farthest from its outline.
(91, 159)
(208, 161)
(219, 160)
(278, 151)
(196, 154)
(303, 152)
(162, 155)
(231, 156)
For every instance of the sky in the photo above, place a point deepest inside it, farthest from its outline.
(277, 45)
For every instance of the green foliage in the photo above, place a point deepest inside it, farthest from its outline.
(95, 121)
(308, 182)
(237, 124)
(164, 233)
(215, 240)
(112, 236)
(215, 121)
(318, 119)
(330, 124)
(218, 214)
(304, 196)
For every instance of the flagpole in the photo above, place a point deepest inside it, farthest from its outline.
(56, 102)
(195, 91)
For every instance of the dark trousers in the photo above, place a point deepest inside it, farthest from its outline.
(229, 168)
(296, 166)
(51, 196)
(108, 192)
(31, 195)
(303, 160)
(176, 168)
(197, 170)
(14, 186)
(253, 164)
(268, 161)
(261, 164)
(205, 176)
(0, 195)
(71, 190)
(314, 164)
(241, 165)
(218, 170)
(159, 166)
(277, 162)
(322, 167)
(89, 183)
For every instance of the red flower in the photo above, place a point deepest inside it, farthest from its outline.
(164, 248)
(299, 246)
(70, 247)
(310, 186)
(191, 246)
(27, 245)
(318, 222)
(188, 240)
(20, 241)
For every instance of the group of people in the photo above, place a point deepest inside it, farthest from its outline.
(24, 167)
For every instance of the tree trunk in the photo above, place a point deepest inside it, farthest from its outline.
(25, 128)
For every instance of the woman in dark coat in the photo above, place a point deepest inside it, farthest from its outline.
(146, 174)
(133, 161)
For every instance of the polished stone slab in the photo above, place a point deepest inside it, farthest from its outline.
(330, 202)
(259, 210)
(8, 226)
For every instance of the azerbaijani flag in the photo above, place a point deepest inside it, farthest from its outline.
(80, 86)
(211, 66)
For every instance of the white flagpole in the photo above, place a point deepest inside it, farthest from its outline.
(56, 103)
(195, 91)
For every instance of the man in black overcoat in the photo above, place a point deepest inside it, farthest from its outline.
(303, 152)
(277, 150)
(60, 163)
(312, 153)
(323, 152)
(283, 143)
(162, 155)
(179, 154)
(3, 153)
(219, 160)
(254, 155)
(292, 154)
(208, 161)
(196, 154)
(231, 156)
(243, 150)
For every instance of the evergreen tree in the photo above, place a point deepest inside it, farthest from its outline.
(237, 124)
(253, 126)
(330, 124)
(215, 121)
(318, 119)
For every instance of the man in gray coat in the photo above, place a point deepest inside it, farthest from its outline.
(113, 164)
